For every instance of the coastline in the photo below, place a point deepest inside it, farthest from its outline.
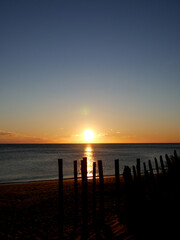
(24, 163)
(30, 211)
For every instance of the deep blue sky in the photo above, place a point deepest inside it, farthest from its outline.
(110, 65)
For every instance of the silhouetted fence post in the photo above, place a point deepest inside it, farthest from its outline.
(138, 167)
(61, 207)
(157, 167)
(94, 178)
(134, 174)
(175, 154)
(146, 174)
(101, 182)
(176, 165)
(162, 165)
(85, 170)
(94, 190)
(129, 191)
(101, 178)
(76, 186)
(127, 179)
(84, 190)
(151, 171)
(117, 176)
(138, 182)
(168, 163)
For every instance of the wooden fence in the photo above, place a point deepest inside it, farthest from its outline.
(141, 183)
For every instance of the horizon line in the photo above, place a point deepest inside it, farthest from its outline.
(94, 143)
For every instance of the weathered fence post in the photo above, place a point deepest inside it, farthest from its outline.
(129, 192)
(101, 181)
(75, 174)
(138, 167)
(76, 186)
(138, 181)
(175, 154)
(127, 179)
(82, 171)
(101, 177)
(157, 167)
(61, 207)
(94, 191)
(84, 197)
(117, 176)
(162, 165)
(168, 163)
(94, 178)
(151, 170)
(85, 170)
(84, 185)
(176, 165)
(134, 174)
(146, 174)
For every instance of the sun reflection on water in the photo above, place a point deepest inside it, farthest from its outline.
(89, 153)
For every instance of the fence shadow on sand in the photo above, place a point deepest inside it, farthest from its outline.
(142, 203)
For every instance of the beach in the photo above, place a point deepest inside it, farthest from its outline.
(30, 211)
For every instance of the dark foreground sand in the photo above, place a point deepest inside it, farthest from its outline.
(30, 211)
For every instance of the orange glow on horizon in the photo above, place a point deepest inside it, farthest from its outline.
(93, 135)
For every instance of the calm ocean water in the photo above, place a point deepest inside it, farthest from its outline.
(33, 162)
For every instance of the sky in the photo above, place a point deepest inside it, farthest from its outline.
(111, 66)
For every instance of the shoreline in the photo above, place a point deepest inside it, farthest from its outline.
(30, 211)
(64, 179)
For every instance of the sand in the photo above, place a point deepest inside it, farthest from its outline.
(30, 211)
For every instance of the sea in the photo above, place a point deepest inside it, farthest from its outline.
(36, 162)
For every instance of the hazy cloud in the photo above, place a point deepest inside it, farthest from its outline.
(12, 137)
(7, 133)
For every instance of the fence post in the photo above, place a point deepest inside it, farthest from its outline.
(176, 165)
(151, 170)
(146, 174)
(76, 186)
(101, 174)
(162, 165)
(84, 188)
(101, 181)
(175, 154)
(169, 164)
(94, 177)
(117, 176)
(61, 207)
(138, 167)
(130, 194)
(134, 173)
(85, 169)
(84, 197)
(127, 179)
(94, 190)
(157, 167)
(134, 176)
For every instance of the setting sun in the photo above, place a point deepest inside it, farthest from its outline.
(88, 135)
